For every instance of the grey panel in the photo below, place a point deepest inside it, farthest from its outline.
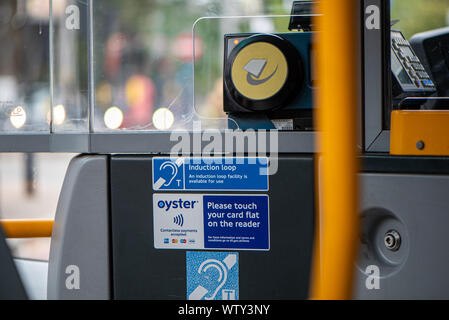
(34, 277)
(143, 272)
(381, 143)
(20, 143)
(160, 142)
(11, 287)
(132, 142)
(43, 142)
(417, 207)
(373, 83)
(81, 232)
(72, 143)
(360, 80)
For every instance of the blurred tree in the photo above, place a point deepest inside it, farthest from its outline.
(275, 7)
(419, 15)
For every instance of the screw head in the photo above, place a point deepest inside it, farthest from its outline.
(392, 240)
(420, 145)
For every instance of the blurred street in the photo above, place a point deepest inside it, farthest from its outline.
(36, 200)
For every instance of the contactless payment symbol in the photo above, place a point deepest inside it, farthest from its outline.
(212, 276)
(255, 68)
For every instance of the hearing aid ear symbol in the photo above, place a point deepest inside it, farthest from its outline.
(169, 171)
(222, 269)
(174, 171)
(222, 275)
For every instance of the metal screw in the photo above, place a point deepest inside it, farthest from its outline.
(392, 240)
(420, 145)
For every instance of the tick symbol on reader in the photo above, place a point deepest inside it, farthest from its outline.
(171, 171)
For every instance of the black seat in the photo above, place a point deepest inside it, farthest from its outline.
(11, 287)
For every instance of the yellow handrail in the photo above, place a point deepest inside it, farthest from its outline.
(337, 189)
(18, 229)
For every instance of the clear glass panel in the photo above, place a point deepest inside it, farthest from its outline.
(142, 63)
(223, 38)
(24, 66)
(143, 54)
(70, 66)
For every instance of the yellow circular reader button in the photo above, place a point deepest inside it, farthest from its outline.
(259, 71)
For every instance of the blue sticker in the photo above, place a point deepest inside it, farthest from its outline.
(212, 275)
(218, 174)
(167, 174)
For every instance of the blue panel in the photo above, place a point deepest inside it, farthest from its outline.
(168, 174)
(236, 222)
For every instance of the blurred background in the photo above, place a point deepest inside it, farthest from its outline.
(143, 73)
(29, 189)
(419, 15)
